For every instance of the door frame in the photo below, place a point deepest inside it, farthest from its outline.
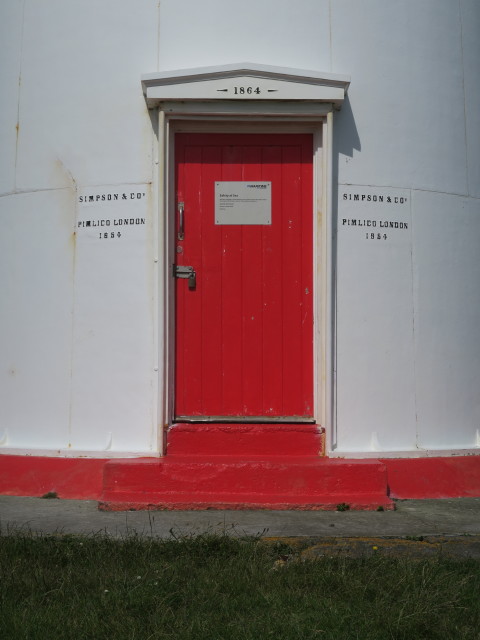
(320, 126)
(284, 100)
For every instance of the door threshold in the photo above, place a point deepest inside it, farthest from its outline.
(244, 420)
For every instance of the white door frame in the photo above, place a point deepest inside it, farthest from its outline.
(291, 115)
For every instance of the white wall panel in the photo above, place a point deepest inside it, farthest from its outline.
(11, 19)
(471, 60)
(36, 272)
(404, 124)
(276, 32)
(82, 112)
(447, 319)
(112, 405)
(374, 316)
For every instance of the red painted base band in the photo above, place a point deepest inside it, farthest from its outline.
(454, 477)
(83, 478)
(73, 478)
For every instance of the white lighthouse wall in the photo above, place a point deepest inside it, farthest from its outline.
(10, 38)
(471, 57)
(77, 315)
(36, 267)
(275, 32)
(407, 95)
(81, 104)
(447, 319)
(78, 331)
(415, 114)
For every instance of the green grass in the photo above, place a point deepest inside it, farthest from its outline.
(219, 587)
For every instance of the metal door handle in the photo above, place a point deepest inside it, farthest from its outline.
(181, 221)
(181, 271)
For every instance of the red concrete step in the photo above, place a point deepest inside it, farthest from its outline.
(302, 482)
(245, 440)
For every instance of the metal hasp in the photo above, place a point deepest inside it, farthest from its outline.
(180, 271)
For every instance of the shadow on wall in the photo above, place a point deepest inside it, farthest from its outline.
(345, 136)
(345, 141)
(153, 115)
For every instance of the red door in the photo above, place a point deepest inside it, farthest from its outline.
(244, 320)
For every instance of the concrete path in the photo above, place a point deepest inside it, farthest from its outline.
(413, 518)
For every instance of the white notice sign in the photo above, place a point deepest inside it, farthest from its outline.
(243, 203)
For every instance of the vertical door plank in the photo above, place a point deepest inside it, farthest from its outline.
(180, 326)
(252, 307)
(272, 288)
(210, 285)
(231, 295)
(191, 378)
(307, 327)
(291, 277)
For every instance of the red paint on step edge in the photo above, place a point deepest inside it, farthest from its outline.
(245, 440)
(377, 505)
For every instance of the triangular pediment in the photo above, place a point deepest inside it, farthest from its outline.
(245, 81)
